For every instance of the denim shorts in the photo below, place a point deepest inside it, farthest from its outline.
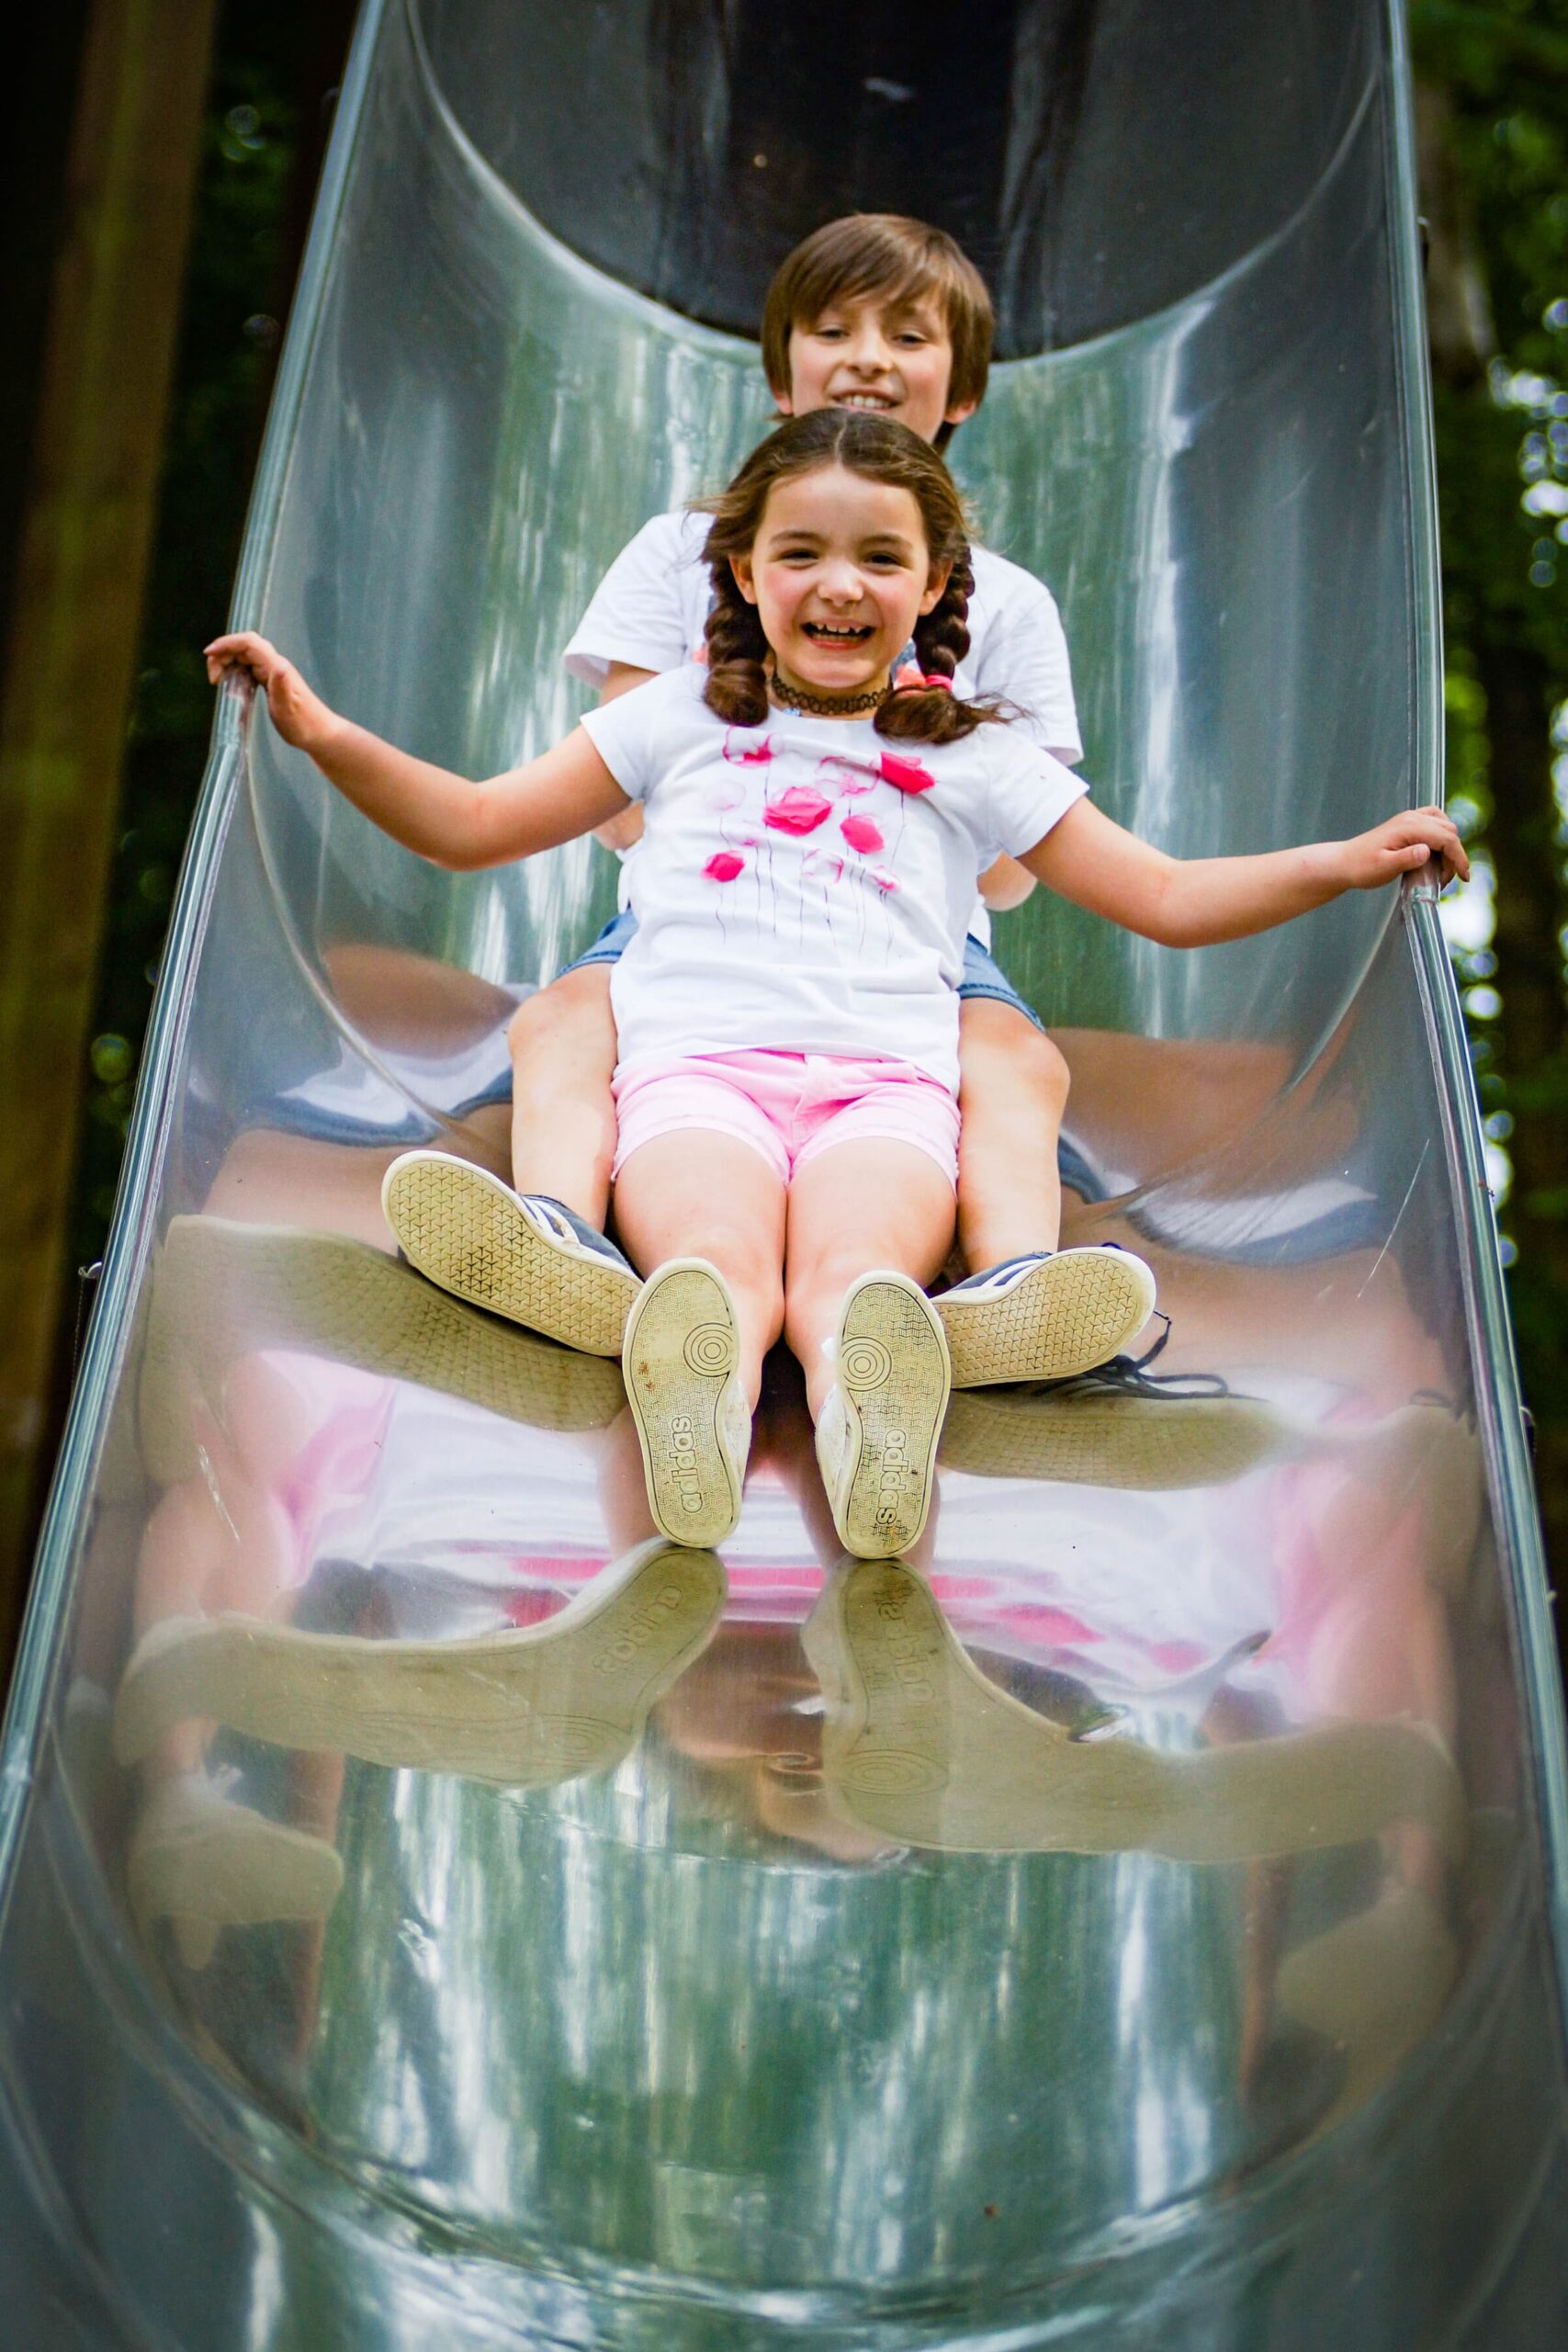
(983, 976)
(610, 945)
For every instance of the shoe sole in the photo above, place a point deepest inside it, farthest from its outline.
(1148, 1444)
(463, 1229)
(894, 1378)
(1072, 1312)
(223, 1289)
(517, 1709)
(679, 1355)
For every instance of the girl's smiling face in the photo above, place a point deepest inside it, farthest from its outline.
(840, 573)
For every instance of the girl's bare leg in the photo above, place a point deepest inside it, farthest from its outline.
(563, 1114)
(1012, 1092)
(699, 1193)
(859, 1207)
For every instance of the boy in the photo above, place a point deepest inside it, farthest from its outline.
(880, 312)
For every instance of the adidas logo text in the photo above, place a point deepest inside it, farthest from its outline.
(680, 1458)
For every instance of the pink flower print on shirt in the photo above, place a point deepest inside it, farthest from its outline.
(862, 834)
(887, 883)
(724, 866)
(798, 810)
(906, 776)
(845, 779)
(742, 754)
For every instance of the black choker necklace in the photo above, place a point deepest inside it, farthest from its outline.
(812, 706)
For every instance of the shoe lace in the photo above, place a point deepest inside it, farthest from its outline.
(1130, 1375)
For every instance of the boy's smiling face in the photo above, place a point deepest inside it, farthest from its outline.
(887, 357)
(839, 573)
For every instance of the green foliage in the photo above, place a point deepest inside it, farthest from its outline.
(1504, 69)
(1502, 436)
(1501, 67)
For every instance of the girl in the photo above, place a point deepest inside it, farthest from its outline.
(787, 1013)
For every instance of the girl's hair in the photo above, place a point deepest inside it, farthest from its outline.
(881, 450)
(886, 257)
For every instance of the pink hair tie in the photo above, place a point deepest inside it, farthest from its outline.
(913, 680)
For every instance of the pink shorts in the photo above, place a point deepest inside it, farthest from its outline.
(790, 1107)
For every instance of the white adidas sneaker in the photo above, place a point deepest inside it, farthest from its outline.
(876, 1438)
(693, 1422)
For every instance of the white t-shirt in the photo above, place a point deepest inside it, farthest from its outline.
(651, 607)
(806, 884)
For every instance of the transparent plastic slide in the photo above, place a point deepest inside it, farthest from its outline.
(432, 1915)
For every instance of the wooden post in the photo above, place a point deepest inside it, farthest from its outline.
(65, 692)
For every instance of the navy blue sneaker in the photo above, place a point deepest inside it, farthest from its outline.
(1048, 1315)
(518, 1254)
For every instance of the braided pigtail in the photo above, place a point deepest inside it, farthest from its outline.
(933, 713)
(736, 684)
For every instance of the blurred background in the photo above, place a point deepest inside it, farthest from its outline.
(155, 199)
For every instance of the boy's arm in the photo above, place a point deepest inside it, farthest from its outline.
(638, 624)
(1024, 658)
(620, 678)
(1196, 902)
(637, 615)
(443, 817)
(1005, 885)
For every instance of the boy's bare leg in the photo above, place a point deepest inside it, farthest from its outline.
(1012, 1092)
(563, 1114)
(1058, 1315)
(550, 1268)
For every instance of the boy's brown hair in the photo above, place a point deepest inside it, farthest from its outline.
(888, 254)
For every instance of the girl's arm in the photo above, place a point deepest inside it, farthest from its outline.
(1195, 902)
(444, 818)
